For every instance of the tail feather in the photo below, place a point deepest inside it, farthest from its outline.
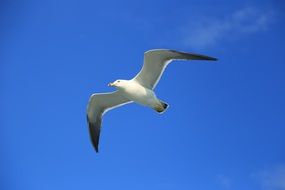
(161, 107)
(165, 105)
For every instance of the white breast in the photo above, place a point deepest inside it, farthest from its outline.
(137, 93)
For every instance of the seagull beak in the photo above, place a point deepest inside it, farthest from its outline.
(110, 84)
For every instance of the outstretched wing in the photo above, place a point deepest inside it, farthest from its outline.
(155, 61)
(97, 106)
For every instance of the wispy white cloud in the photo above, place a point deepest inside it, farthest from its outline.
(207, 32)
(273, 179)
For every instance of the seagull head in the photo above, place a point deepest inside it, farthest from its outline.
(117, 83)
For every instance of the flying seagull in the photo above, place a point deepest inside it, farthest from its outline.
(138, 90)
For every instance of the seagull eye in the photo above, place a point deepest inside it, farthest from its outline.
(118, 81)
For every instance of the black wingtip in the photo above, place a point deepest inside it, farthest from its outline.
(195, 56)
(204, 57)
(94, 134)
(96, 148)
(213, 59)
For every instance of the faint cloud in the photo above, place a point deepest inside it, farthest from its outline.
(273, 179)
(224, 181)
(207, 32)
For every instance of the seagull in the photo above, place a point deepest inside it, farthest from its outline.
(138, 90)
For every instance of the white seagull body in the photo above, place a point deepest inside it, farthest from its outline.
(139, 89)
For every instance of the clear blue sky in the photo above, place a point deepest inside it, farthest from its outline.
(225, 126)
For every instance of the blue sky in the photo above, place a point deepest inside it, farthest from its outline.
(225, 126)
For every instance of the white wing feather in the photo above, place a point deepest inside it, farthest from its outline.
(97, 106)
(155, 62)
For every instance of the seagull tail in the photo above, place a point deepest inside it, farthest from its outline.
(165, 105)
(161, 108)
